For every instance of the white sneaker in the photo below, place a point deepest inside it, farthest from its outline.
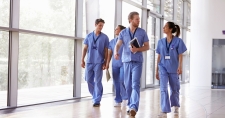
(117, 104)
(176, 111)
(162, 115)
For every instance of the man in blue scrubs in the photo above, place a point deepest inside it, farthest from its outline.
(117, 69)
(169, 66)
(132, 59)
(96, 48)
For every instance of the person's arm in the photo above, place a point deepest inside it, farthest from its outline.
(108, 58)
(179, 70)
(84, 52)
(141, 49)
(105, 58)
(116, 50)
(157, 68)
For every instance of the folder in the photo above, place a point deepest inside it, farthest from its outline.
(135, 43)
(107, 75)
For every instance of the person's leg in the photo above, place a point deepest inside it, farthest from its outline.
(98, 89)
(123, 92)
(127, 80)
(174, 88)
(165, 104)
(116, 83)
(135, 95)
(89, 77)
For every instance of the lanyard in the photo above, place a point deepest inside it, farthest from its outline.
(168, 48)
(95, 40)
(133, 34)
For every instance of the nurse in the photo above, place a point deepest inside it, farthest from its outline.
(132, 59)
(96, 48)
(169, 66)
(117, 69)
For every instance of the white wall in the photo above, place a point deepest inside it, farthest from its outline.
(207, 23)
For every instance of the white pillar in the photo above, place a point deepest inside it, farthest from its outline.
(207, 23)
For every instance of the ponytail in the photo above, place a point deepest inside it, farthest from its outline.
(177, 30)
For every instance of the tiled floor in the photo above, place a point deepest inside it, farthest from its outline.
(195, 103)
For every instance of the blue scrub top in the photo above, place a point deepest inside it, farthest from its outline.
(124, 35)
(95, 53)
(176, 47)
(116, 63)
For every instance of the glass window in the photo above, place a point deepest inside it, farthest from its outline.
(180, 11)
(168, 9)
(189, 15)
(4, 15)
(45, 70)
(4, 46)
(153, 31)
(151, 54)
(154, 5)
(52, 16)
(126, 9)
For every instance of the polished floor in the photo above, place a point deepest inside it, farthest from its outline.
(195, 103)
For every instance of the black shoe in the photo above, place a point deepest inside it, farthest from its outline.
(96, 104)
(128, 112)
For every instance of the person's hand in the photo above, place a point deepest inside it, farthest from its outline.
(133, 49)
(117, 56)
(179, 70)
(82, 64)
(107, 66)
(103, 66)
(157, 75)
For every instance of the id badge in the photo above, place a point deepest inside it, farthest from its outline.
(167, 57)
(94, 47)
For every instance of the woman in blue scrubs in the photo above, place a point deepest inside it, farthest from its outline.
(169, 67)
(117, 69)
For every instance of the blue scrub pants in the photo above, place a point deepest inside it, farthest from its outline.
(173, 79)
(132, 76)
(93, 76)
(118, 81)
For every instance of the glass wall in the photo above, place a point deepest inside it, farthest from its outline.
(154, 5)
(153, 31)
(168, 9)
(4, 49)
(180, 11)
(4, 15)
(45, 68)
(126, 9)
(52, 16)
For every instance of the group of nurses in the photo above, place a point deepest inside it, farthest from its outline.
(132, 59)
(96, 48)
(169, 66)
(117, 70)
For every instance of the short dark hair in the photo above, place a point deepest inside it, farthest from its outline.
(99, 20)
(175, 28)
(121, 27)
(131, 15)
